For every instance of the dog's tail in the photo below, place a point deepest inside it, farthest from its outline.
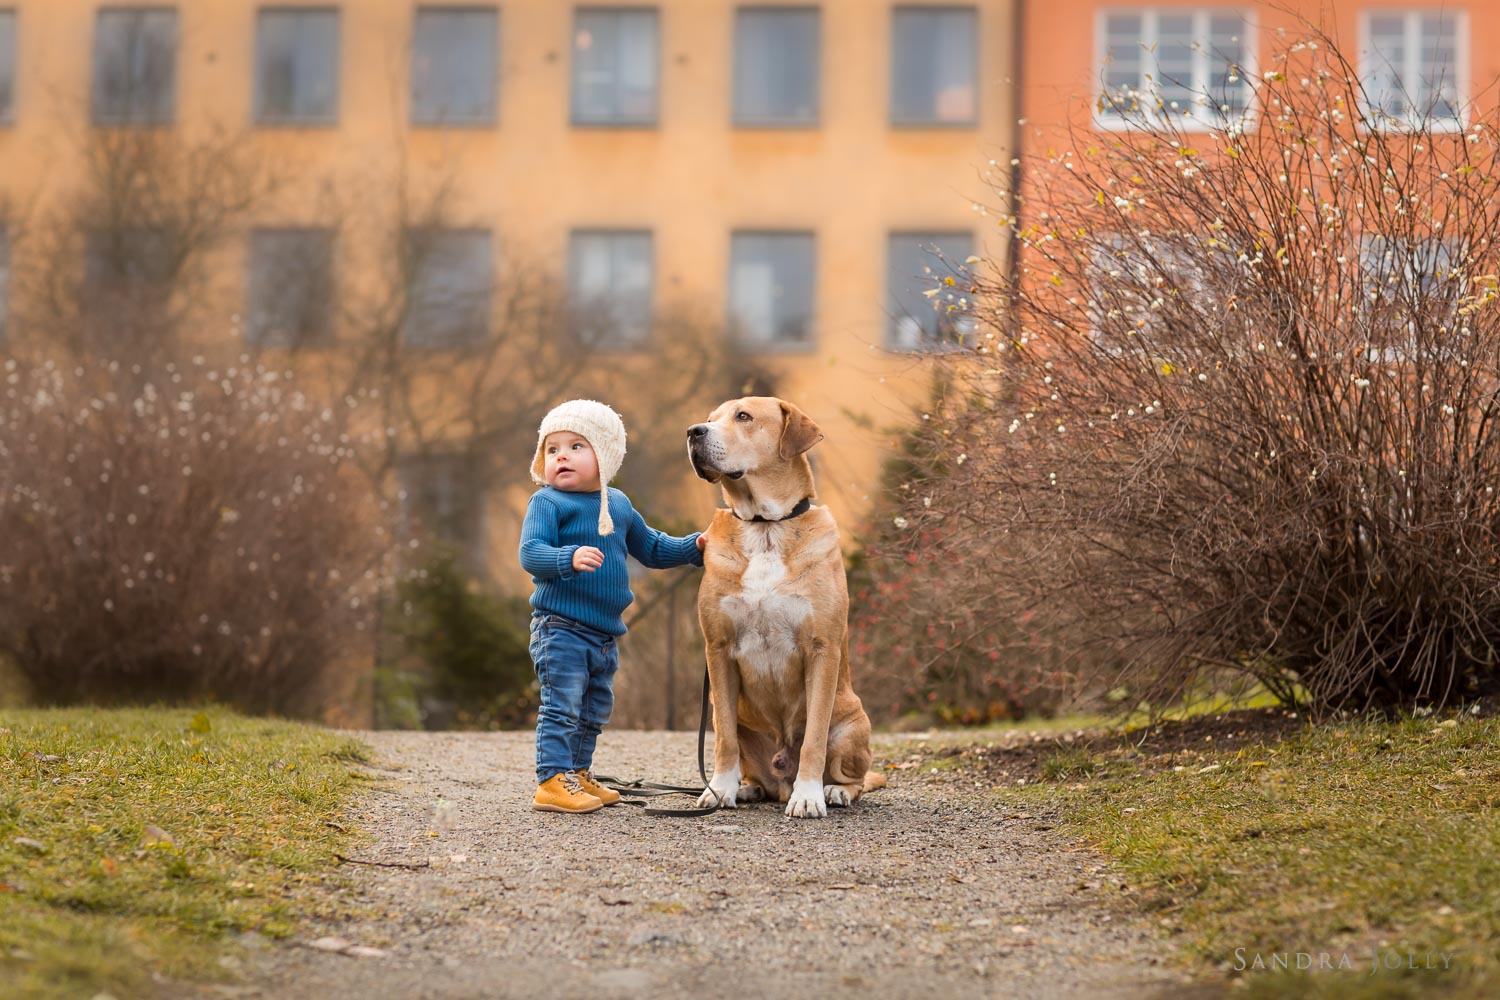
(874, 780)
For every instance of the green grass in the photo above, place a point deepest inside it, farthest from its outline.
(88, 908)
(1346, 839)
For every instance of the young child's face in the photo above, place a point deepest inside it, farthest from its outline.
(569, 463)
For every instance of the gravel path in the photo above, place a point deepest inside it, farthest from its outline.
(929, 888)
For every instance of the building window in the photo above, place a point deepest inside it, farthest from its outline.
(1189, 65)
(771, 281)
(918, 263)
(135, 66)
(297, 66)
(443, 496)
(453, 52)
(934, 66)
(776, 52)
(1407, 278)
(290, 297)
(609, 287)
(615, 67)
(450, 279)
(131, 265)
(1414, 66)
(7, 67)
(1148, 292)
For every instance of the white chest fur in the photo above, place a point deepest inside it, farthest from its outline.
(764, 614)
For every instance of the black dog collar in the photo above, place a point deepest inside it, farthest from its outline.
(803, 506)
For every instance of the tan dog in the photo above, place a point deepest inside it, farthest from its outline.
(774, 608)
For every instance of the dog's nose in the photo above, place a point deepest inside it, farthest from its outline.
(697, 431)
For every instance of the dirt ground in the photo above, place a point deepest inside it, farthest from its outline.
(935, 887)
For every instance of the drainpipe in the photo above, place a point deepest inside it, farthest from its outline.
(1017, 146)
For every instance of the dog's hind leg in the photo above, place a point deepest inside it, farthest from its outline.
(848, 760)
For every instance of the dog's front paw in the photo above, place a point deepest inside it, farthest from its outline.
(721, 790)
(807, 800)
(836, 795)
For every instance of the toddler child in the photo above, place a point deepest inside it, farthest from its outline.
(576, 559)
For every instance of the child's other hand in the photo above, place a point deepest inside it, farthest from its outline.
(702, 542)
(586, 558)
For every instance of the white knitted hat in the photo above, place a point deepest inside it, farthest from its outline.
(605, 433)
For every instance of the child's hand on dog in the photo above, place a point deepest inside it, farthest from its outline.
(702, 542)
(586, 559)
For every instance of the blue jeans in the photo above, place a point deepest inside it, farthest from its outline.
(576, 665)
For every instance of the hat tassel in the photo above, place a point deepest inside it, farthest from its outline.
(606, 523)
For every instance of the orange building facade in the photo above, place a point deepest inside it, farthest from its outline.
(1075, 52)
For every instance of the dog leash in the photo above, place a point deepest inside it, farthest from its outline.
(641, 790)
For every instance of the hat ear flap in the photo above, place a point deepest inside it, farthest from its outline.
(798, 432)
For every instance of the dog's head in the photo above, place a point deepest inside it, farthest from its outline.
(749, 435)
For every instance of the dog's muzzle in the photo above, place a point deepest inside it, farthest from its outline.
(700, 454)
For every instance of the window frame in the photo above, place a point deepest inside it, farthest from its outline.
(146, 256)
(616, 343)
(325, 334)
(928, 342)
(737, 118)
(129, 119)
(1151, 40)
(8, 109)
(651, 121)
(1381, 287)
(809, 343)
(894, 120)
(1165, 253)
(264, 119)
(462, 480)
(473, 339)
(1377, 119)
(497, 40)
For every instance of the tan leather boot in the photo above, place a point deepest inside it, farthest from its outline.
(564, 793)
(606, 795)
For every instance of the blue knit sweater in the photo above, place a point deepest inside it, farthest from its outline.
(558, 522)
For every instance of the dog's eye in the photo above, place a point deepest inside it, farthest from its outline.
(742, 415)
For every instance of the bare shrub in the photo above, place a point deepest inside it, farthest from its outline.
(1236, 406)
(929, 641)
(190, 535)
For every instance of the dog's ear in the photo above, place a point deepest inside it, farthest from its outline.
(798, 432)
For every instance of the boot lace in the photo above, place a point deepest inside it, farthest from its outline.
(571, 783)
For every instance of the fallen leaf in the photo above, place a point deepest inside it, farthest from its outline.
(153, 835)
(30, 845)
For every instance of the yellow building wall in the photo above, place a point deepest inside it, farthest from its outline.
(692, 179)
